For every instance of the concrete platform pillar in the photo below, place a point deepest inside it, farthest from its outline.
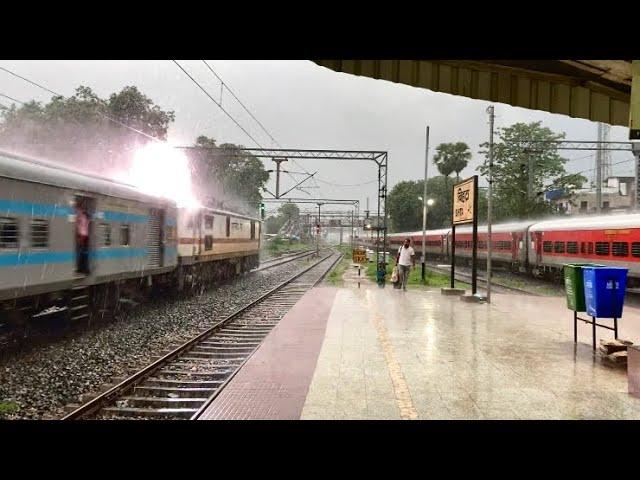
(452, 291)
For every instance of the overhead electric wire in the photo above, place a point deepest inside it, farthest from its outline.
(580, 158)
(226, 112)
(99, 113)
(226, 85)
(347, 185)
(264, 129)
(218, 104)
(11, 98)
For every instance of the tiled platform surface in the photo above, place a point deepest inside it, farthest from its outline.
(273, 383)
(389, 354)
(361, 352)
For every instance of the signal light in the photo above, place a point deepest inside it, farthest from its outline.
(262, 210)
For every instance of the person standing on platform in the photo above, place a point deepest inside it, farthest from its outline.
(405, 259)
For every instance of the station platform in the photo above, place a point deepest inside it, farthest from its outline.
(365, 352)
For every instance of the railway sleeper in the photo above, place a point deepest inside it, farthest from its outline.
(248, 337)
(236, 338)
(218, 374)
(160, 413)
(225, 348)
(226, 355)
(256, 324)
(162, 402)
(193, 364)
(166, 382)
(246, 331)
(182, 392)
(239, 344)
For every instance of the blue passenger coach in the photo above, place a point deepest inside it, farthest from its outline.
(132, 236)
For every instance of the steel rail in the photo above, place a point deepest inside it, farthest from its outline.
(210, 400)
(94, 405)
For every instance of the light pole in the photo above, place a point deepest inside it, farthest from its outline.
(424, 202)
(429, 202)
(489, 201)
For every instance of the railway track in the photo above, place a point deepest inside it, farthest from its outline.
(466, 277)
(274, 262)
(184, 382)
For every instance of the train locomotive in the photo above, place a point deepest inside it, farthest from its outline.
(136, 242)
(541, 248)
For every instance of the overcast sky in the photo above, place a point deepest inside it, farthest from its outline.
(303, 105)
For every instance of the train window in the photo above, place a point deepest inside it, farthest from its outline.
(39, 233)
(620, 249)
(558, 247)
(482, 245)
(583, 247)
(590, 248)
(635, 249)
(8, 232)
(602, 248)
(228, 226)
(502, 245)
(547, 247)
(572, 247)
(105, 230)
(208, 242)
(208, 222)
(125, 235)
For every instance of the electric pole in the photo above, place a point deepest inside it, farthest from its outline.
(424, 204)
(603, 163)
(278, 162)
(318, 233)
(489, 202)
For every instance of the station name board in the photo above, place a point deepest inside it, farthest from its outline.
(359, 256)
(463, 201)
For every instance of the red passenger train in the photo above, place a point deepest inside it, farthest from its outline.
(542, 248)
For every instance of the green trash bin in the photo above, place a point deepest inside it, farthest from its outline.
(574, 285)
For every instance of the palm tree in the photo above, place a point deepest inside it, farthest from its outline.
(452, 157)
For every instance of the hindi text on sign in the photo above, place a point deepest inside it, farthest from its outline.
(463, 202)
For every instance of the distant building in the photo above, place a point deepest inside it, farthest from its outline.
(618, 194)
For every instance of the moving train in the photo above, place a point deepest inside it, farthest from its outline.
(136, 242)
(541, 248)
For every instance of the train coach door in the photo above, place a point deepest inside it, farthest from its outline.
(154, 238)
(83, 233)
(515, 241)
(538, 245)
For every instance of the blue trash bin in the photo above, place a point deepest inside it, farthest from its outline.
(604, 289)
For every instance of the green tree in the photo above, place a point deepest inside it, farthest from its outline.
(273, 224)
(405, 206)
(230, 178)
(83, 130)
(452, 157)
(289, 211)
(286, 212)
(512, 198)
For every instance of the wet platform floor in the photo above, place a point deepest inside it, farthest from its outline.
(371, 353)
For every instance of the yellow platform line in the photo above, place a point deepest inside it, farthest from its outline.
(400, 388)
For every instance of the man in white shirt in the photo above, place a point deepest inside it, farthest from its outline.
(405, 259)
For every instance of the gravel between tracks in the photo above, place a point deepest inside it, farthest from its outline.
(42, 381)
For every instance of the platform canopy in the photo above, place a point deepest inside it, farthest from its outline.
(597, 90)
